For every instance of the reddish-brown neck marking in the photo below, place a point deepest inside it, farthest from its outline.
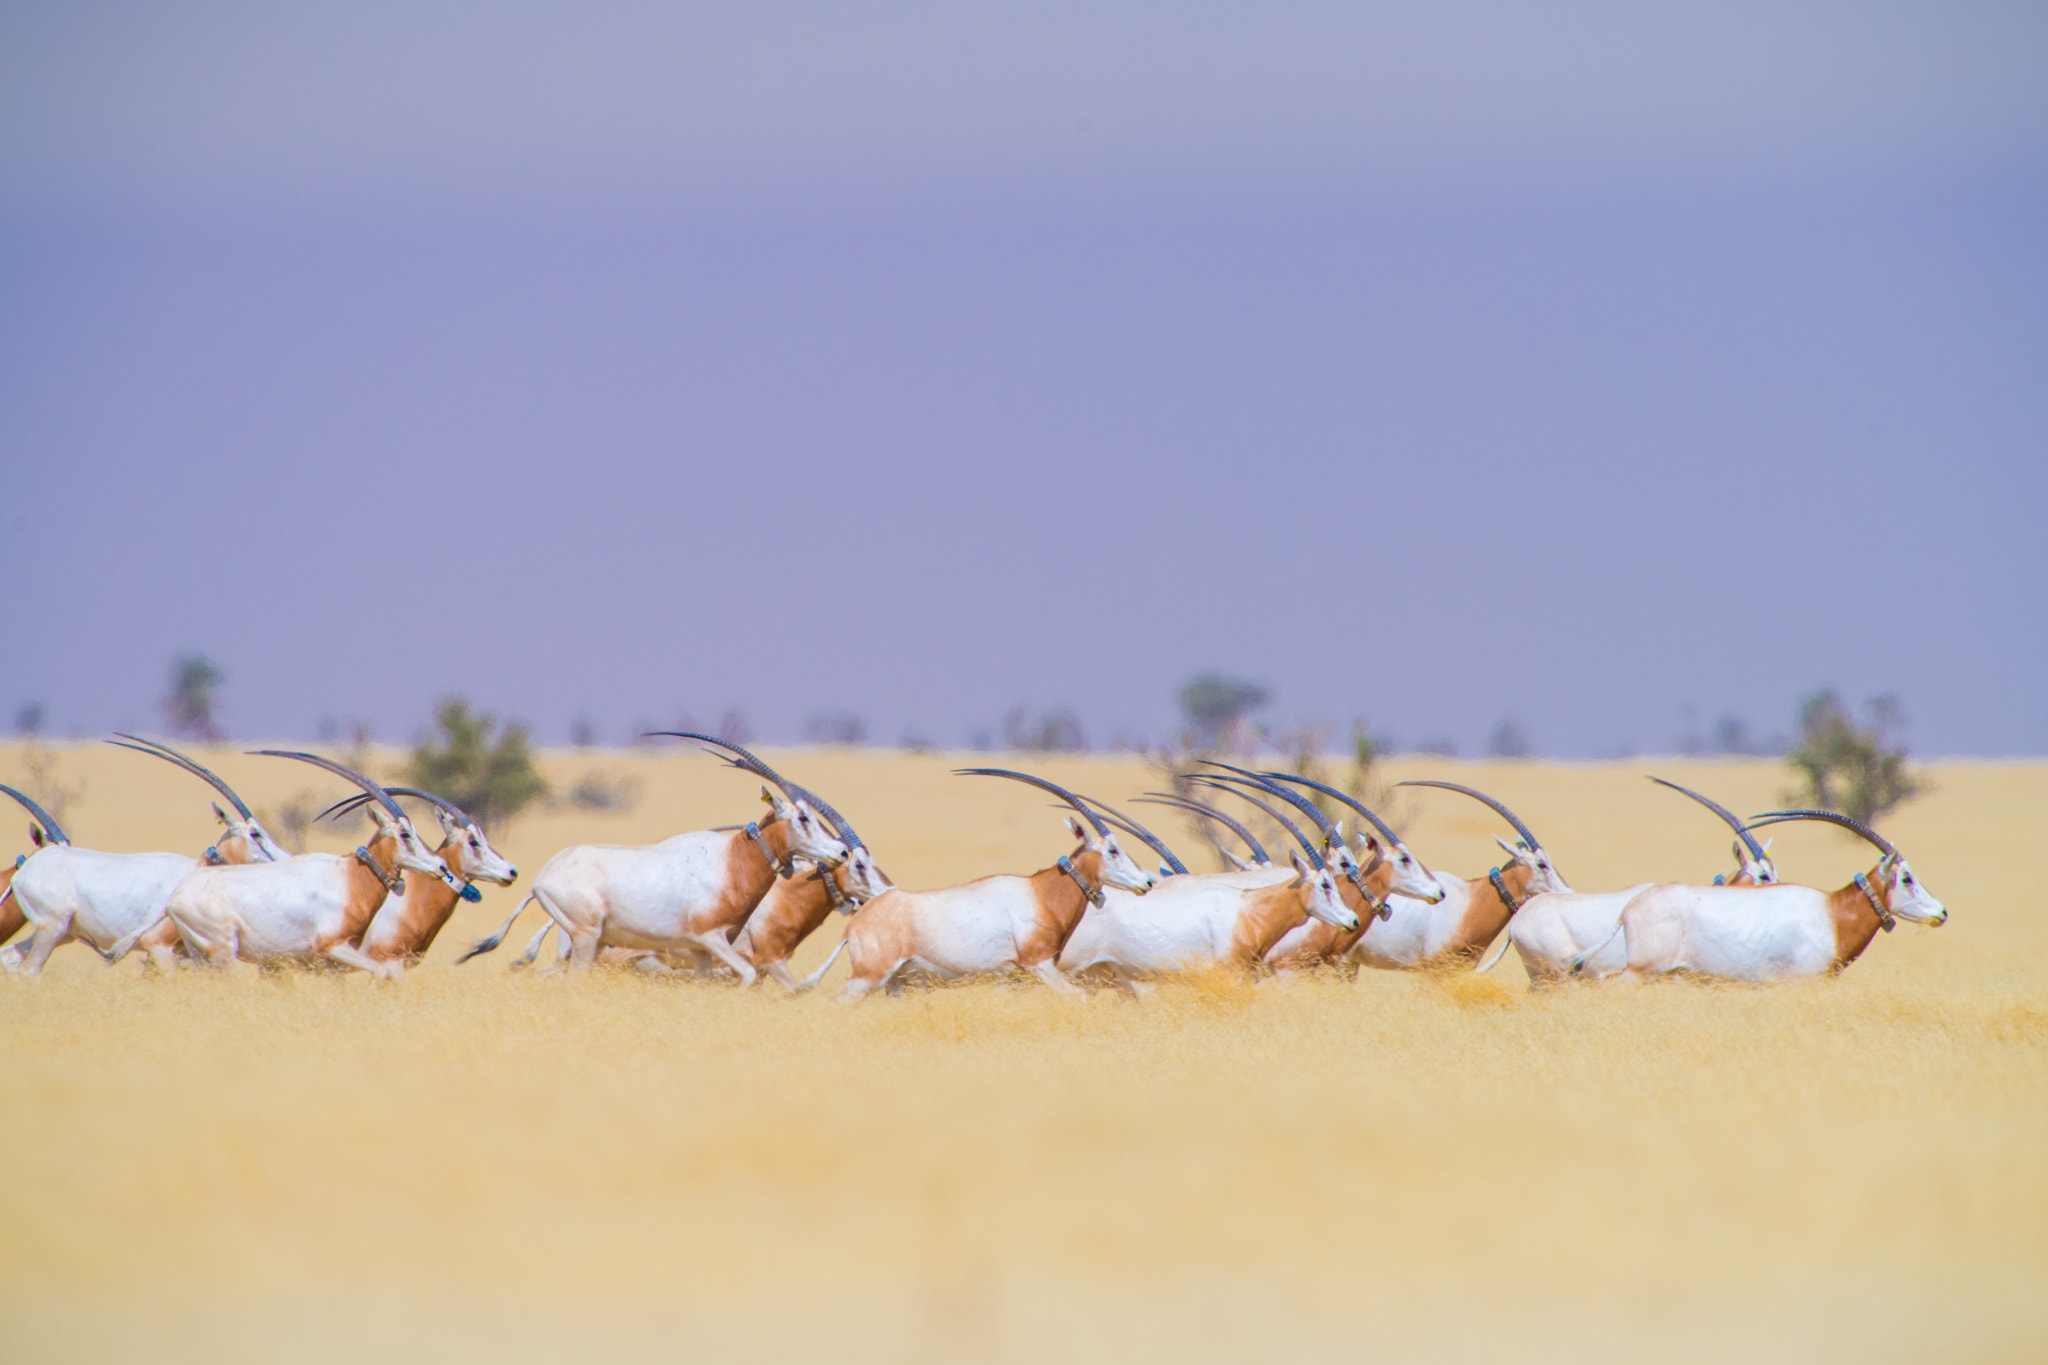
(428, 905)
(748, 877)
(1060, 907)
(1486, 914)
(11, 915)
(365, 891)
(1856, 923)
(791, 913)
(1268, 914)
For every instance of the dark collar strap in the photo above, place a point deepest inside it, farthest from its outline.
(394, 882)
(1093, 893)
(1885, 920)
(753, 831)
(213, 858)
(1500, 888)
(1372, 902)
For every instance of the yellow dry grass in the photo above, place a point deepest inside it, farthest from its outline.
(474, 1163)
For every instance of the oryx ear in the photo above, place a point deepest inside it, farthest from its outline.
(1337, 832)
(1075, 826)
(222, 815)
(35, 834)
(379, 816)
(1514, 850)
(1372, 843)
(450, 826)
(1301, 869)
(1767, 846)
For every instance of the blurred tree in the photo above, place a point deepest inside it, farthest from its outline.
(836, 727)
(195, 682)
(485, 769)
(1509, 740)
(1215, 705)
(29, 720)
(1057, 731)
(1856, 770)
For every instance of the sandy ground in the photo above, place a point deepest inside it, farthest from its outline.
(471, 1162)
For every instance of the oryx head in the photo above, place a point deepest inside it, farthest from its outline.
(1323, 900)
(808, 836)
(1094, 834)
(1753, 860)
(1410, 878)
(1524, 852)
(246, 841)
(412, 853)
(1891, 879)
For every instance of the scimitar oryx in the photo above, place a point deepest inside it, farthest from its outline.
(1458, 928)
(1563, 934)
(685, 895)
(114, 902)
(995, 924)
(309, 909)
(1766, 933)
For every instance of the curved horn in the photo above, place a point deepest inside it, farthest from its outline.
(167, 753)
(745, 760)
(1756, 850)
(838, 821)
(1163, 799)
(342, 770)
(344, 806)
(1386, 831)
(51, 829)
(1055, 788)
(1308, 845)
(1295, 799)
(1132, 827)
(1498, 809)
(1779, 817)
(347, 804)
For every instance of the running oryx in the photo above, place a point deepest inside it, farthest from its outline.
(1458, 928)
(113, 902)
(1207, 919)
(1565, 934)
(1764, 933)
(1391, 871)
(996, 923)
(685, 895)
(406, 924)
(308, 909)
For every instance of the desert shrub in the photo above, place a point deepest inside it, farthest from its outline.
(836, 727)
(191, 707)
(1860, 771)
(1057, 731)
(482, 767)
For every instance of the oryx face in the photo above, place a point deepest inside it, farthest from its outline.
(258, 846)
(478, 861)
(413, 855)
(1759, 871)
(860, 878)
(1542, 876)
(1117, 867)
(1411, 878)
(1905, 896)
(809, 837)
(1322, 900)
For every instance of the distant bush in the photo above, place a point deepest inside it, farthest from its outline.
(194, 699)
(1509, 740)
(1856, 770)
(1216, 705)
(485, 769)
(1057, 731)
(836, 727)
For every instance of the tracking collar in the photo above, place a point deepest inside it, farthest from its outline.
(782, 868)
(1500, 887)
(1092, 893)
(394, 882)
(1885, 919)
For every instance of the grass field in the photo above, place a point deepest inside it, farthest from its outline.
(472, 1163)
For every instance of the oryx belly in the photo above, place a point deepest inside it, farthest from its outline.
(295, 908)
(107, 896)
(645, 897)
(1183, 922)
(1415, 930)
(1552, 931)
(1744, 933)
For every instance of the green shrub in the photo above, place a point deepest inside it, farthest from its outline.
(1856, 770)
(491, 777)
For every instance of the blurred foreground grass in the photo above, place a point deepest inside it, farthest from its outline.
(1447, 1168)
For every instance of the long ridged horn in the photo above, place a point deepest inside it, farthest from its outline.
(167, 753)
(1386, 831)
(1226, 785)
(1756, 849)
(347, 804)
(1292, 798)
(342, 770)
(51, 829)
(1101, 829)
(1779, 817)
(1138, 831)
(1498, 809)
(747, 762)
(1258, 850)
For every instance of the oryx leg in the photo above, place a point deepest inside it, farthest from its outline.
(42, 941)
(715, 944)
(1049, 972)
(349, 955)
(780, 974)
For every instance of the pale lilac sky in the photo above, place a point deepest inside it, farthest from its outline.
(1435, 364)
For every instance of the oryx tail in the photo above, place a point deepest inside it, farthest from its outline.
(810, 982)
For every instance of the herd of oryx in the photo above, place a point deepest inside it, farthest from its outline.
(738, 900)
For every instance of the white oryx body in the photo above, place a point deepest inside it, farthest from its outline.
(100, 899)
(686, 895)
(1203, 920)
(1461, 925)
(1561, 934)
